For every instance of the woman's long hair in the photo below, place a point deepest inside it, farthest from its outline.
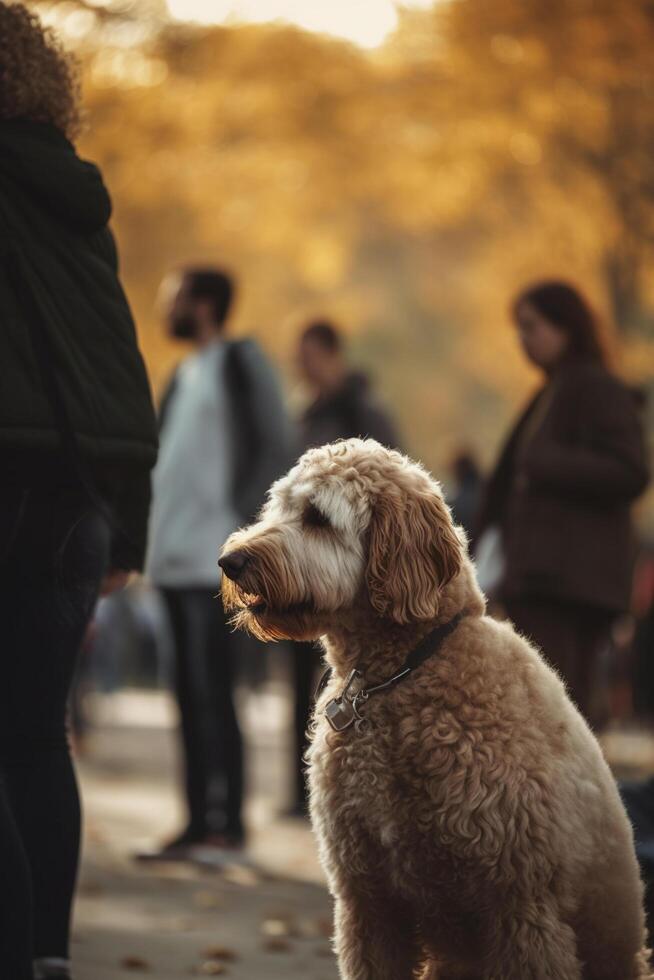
(38, 79)
(567, 309)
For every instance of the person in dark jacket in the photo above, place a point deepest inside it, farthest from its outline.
(562, 489)
(342, 407)
(224, 439)
(78, 440)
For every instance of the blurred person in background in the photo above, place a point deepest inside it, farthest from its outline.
(127, 644)
(562, 489)
(465, 495)
(78, 438)
(224, 439)
(342, 406)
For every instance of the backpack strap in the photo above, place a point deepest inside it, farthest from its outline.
(245, 436)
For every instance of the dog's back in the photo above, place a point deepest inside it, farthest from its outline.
(478, 791)
(587, 840)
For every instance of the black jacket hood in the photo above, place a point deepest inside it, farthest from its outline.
(39, 158)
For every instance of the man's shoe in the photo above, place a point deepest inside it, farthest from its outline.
(178, 849)
(220, 850)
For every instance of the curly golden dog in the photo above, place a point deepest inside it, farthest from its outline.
(468, 823)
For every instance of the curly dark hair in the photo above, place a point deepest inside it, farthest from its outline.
(39, 80)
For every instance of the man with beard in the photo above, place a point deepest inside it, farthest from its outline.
(223, 440)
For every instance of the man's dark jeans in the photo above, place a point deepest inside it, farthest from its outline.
(204, 686)
(54, 549)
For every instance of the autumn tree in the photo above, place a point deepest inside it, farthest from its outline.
(568, 88)
(407, 192)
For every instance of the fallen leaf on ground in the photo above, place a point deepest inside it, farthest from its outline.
(207, 900)
(212, 968)
(134, 963)
(219, 953)
(277, 944)
(238, 874)
(314, 928)
(277, 927)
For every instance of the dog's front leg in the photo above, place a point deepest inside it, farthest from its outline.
(373, 939)
(537, 944)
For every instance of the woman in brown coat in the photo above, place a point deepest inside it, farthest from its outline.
(562, 488)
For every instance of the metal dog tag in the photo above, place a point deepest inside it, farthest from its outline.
(340, 714)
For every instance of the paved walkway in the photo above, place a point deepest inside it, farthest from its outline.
(266, 917)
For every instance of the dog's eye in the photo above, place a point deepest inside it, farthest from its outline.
(312, 517)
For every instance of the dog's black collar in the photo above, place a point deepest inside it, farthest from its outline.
(343, 711)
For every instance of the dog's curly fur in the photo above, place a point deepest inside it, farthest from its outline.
(473, 828)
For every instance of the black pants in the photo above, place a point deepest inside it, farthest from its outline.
(53, 554)
(204, 686)
(306, 658)
(570, 636)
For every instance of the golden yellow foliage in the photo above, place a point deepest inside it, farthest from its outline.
(408, 192)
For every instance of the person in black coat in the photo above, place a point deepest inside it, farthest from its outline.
(78, 440)
(562, 489)
(343, 407)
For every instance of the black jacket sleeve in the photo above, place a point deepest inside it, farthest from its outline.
(121, 491)
(262, 434)
(127, 492)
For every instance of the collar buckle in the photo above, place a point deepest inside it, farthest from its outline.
(341, 712)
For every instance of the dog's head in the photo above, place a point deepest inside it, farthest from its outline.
(352, 525)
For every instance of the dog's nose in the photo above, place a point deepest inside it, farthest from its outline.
(233, 565)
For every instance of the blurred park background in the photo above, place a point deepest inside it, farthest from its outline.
(403, 168)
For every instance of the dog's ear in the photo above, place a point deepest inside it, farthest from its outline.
(413, 553)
